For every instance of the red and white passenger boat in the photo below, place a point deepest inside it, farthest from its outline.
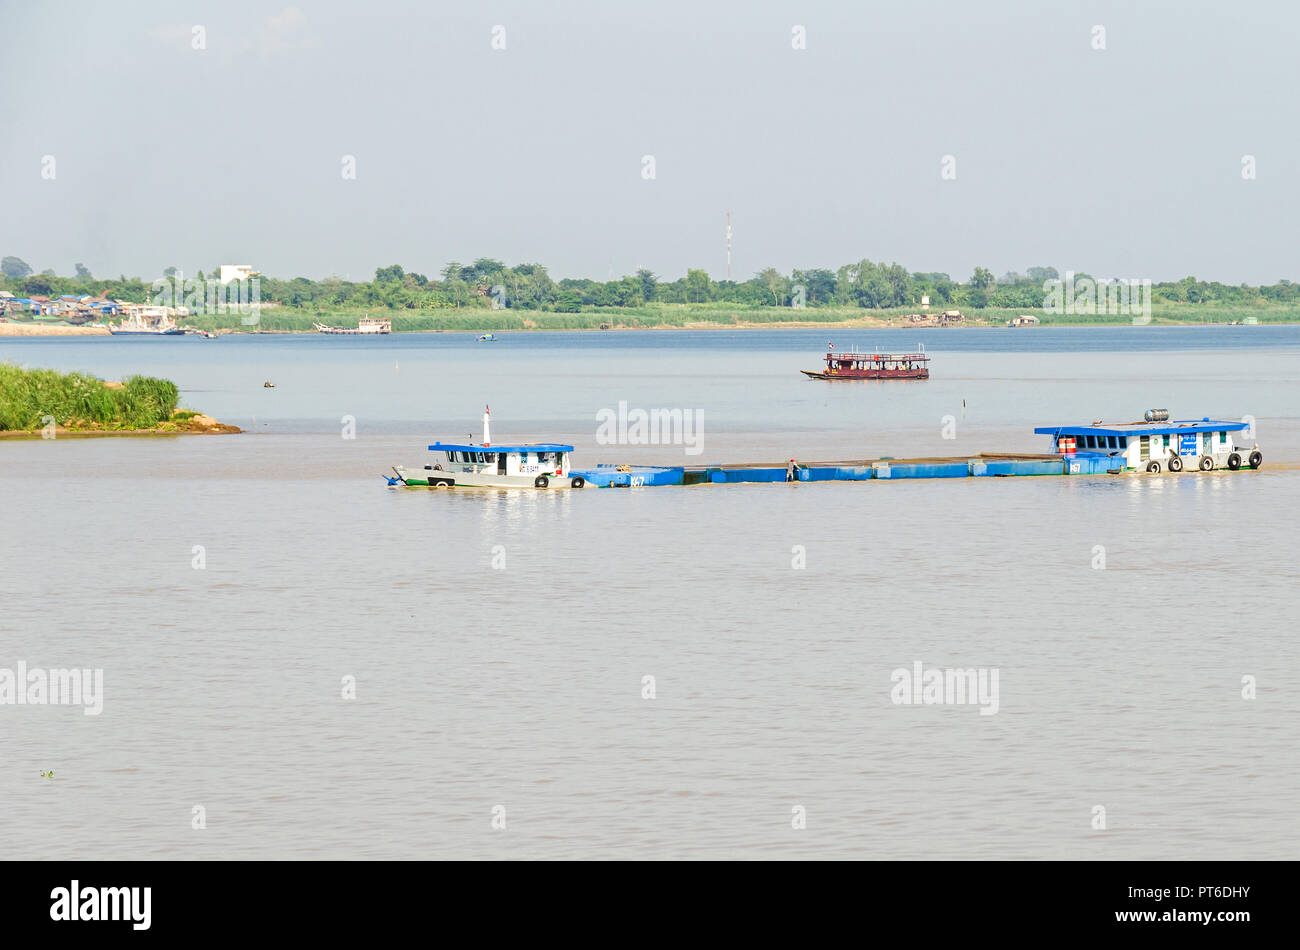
(873, 365)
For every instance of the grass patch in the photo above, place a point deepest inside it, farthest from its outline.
(30, 398)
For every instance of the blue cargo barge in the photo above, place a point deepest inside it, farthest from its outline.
(1151, 446)
(625, 476)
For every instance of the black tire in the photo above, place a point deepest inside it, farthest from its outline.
(1153, 467)
(1175, 463)
(442, 483)
(1234, 461)
(578, 482)
(1256, 459)
(541, 481)
(1207, 463)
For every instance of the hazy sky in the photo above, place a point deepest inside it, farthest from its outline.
(1123, 162)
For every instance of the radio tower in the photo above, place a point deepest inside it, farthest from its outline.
(728, 245)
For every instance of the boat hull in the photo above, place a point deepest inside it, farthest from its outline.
(869, 374)
(438, 478)
(116, 332)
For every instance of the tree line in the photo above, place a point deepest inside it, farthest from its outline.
(489, 283)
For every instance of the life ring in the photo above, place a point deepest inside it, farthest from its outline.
(541, 481)
(1234, 461)
(1175, 463)
(1256, 459)
(1207, 463)
(1153, 467)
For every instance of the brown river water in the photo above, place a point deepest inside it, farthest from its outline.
(494, 647)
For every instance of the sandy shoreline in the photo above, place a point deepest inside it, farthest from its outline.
(61, 433)
(35, 329)
(197, 424)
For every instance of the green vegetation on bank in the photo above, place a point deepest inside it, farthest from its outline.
(31, 398)
(283, 320)
(489, 284)
(489, 295)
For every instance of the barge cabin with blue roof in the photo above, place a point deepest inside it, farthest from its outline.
(1159, 443)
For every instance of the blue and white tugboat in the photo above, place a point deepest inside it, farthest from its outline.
(533, 465)
(1159, 443)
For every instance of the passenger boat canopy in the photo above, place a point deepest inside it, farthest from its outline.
(848, 364)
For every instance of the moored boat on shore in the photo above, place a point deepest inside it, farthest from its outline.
(367, 326)
(136, 325)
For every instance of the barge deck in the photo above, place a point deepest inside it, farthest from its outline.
(995, 465)
(1156, 444)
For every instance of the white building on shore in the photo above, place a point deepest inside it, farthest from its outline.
(231, 272)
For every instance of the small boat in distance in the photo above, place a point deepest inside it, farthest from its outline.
(485, 338)
(366, 327)
(530, 465)
(873, 365)
(136, 325)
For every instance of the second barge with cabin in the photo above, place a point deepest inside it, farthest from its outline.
(1152, 446)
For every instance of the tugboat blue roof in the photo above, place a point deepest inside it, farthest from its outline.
(531, 447)
(1146, 428)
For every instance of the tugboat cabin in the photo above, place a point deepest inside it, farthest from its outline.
(1159, 443)
(538, 458)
